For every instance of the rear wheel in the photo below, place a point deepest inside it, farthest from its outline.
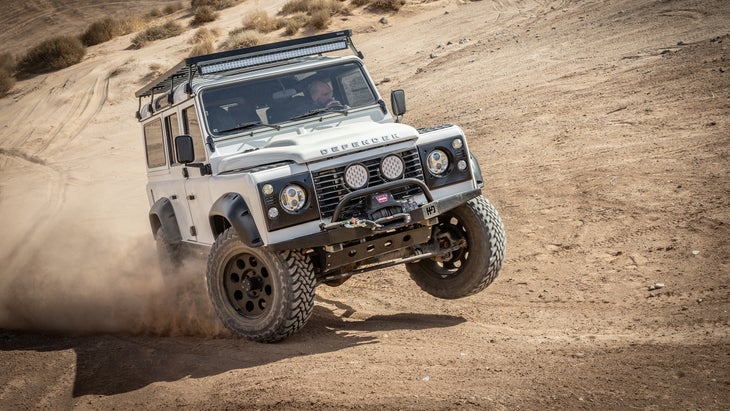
(475, 226)
(169, 254)
(257, 294)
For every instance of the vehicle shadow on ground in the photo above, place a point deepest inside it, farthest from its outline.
(115, 364)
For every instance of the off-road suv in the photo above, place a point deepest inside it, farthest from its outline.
(287, 169)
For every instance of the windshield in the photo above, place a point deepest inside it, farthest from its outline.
(269, 101)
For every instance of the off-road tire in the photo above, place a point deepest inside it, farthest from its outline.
(257, 294)
(472, 269)
(169, 254)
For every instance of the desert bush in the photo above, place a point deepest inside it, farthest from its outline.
(293, 23)
(311, 6)
(215, 4)
(101, 31)
(201, 48)
(380, 5)
(393, 5)
(153, 33)
(203, 34)
(320, 19)
(172, 8)
(7, 70)
(263, 23)
(7, 82)
(202, 15)
(7, 62)
(240, 39)
(130, 25)
(52, 54)
(203, 41)
(154, 13)
(295, 6)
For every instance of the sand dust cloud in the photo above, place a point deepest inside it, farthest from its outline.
(85, 282)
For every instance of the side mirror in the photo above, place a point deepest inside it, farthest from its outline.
(184, 149)
(398, 102)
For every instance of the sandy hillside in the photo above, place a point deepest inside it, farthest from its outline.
(603, 131)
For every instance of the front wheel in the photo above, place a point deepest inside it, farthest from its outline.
(257, 294)
(475, 226)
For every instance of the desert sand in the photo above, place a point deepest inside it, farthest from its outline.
(603, 132)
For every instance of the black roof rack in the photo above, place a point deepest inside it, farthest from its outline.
(248, 57)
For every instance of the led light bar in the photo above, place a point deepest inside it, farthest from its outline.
(273, 57)
(248, 57)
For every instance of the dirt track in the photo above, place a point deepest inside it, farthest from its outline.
(603, 132)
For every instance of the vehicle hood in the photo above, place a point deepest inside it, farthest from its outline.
(306, 145)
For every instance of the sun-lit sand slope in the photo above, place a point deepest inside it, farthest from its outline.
(601, 129)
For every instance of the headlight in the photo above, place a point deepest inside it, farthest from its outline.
(437, 162)
(292, 198)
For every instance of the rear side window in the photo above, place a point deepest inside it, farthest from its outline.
(192, 128)
(154, 144)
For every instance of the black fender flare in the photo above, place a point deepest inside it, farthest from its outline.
(233, 208)
(477, 170)
(163, 214)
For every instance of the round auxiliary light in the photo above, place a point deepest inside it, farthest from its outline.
(356, 176)
(437, 162)
(292, 198)
(392, 167)
(267, 189)
(457, 143)
(461, 165)
(273, 213)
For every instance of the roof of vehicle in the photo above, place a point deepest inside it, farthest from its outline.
(248, 57)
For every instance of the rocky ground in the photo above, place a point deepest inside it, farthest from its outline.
(602, 130)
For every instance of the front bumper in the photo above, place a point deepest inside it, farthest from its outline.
(342, 233)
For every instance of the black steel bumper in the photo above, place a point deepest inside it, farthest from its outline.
(343, 233)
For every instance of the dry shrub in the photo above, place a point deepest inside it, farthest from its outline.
(173, 8)
(7, 82)
(204, 47)
(7, 62)
(154, 13)
(202, 15)
(320, 19)
(311, 6)
(7, 68)
(263, 23)
(131, 25)
(240, 39)
(101, 31)
(295, 6)
(380, 5)
(153, 33)
(203, 41)
(203, 34)
(106, 29)
(52, 54)
(214, 4)
(320, 13)
(294, 22)
(332, 6)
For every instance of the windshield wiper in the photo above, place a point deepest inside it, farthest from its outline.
(317, 111)
(248, 125)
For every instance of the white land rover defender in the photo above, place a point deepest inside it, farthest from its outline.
(287, 169)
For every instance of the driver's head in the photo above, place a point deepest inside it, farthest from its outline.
(320, 93)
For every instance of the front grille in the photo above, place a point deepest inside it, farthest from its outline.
(330, 183)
